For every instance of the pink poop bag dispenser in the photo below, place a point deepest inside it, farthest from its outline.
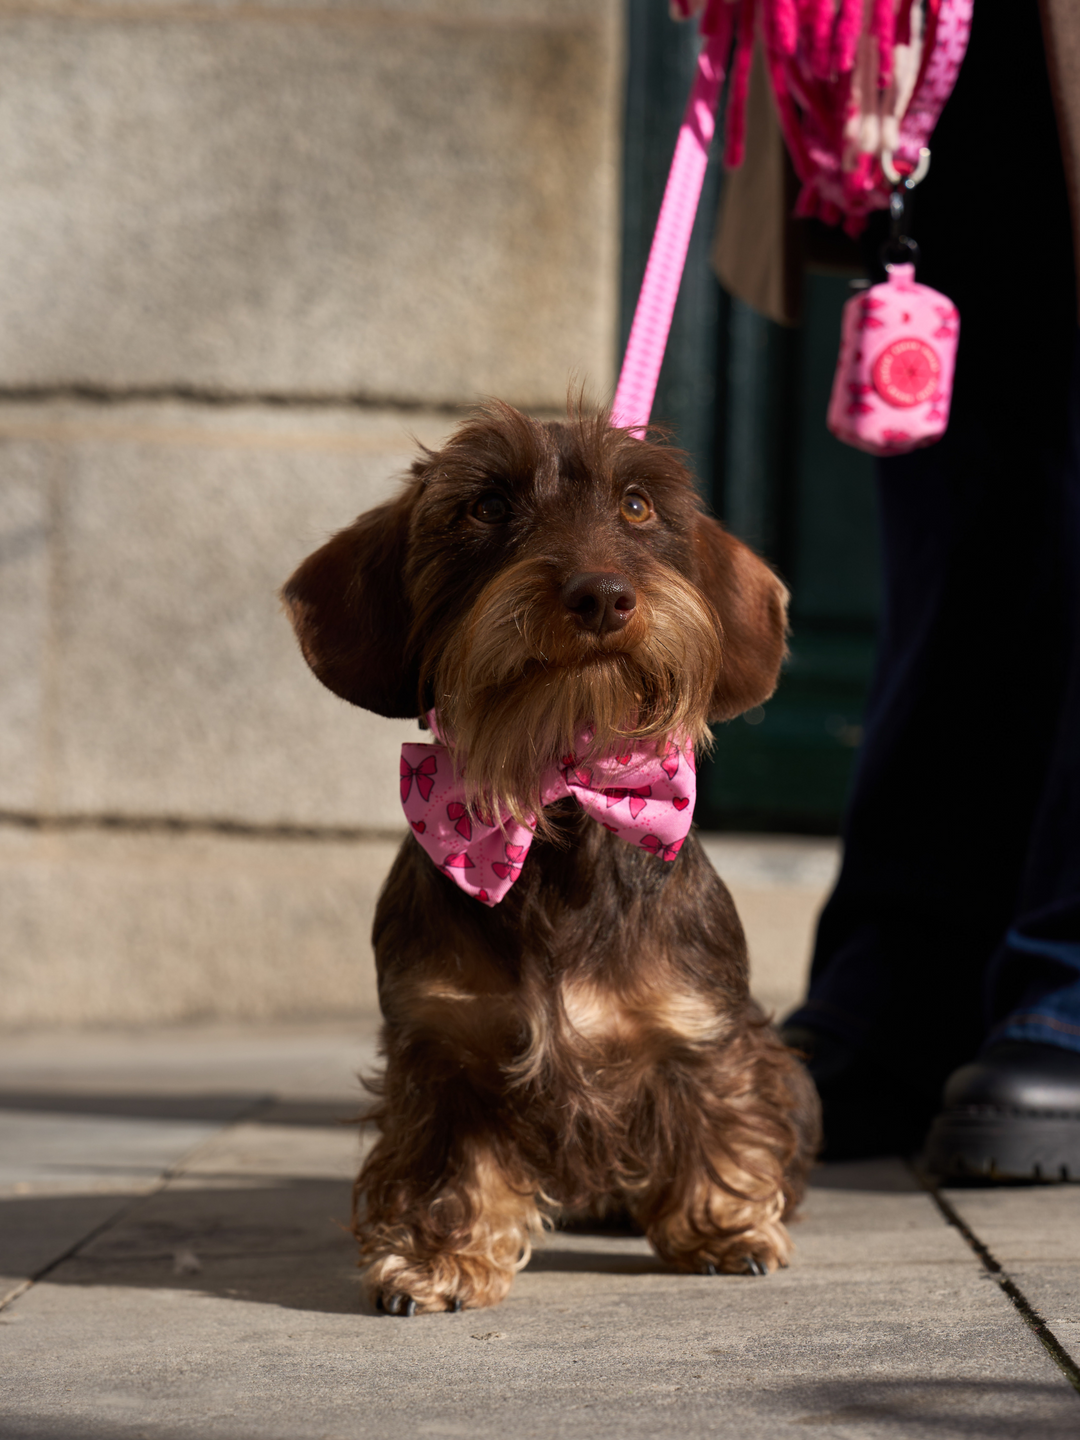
(894, 377)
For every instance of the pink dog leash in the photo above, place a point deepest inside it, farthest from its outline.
(636, 389)
(644, 798)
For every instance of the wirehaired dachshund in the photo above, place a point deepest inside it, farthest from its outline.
(581, 1037)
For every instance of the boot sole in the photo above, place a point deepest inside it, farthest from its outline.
(987, 1144)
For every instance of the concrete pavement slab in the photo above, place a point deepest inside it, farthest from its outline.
(591, 1355)
(62, 1176)
(226, 1304)
(57, 1153)
(1033, 1232)
(90, 1121)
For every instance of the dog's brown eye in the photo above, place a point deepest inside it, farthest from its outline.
(635, 507)
(491, 508)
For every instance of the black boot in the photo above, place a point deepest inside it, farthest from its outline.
(1013, 1114)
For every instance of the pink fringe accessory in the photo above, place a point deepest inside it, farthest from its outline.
(644, 798)
(859, 94)
(859, 86)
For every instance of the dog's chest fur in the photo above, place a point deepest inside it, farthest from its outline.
(600, 951)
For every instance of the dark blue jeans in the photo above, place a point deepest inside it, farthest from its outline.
(957, 913)
(956, 918)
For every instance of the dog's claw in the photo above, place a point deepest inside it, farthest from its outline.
(392, 1304)
(709, 1269)
(457, 1305)
(754, 1266)
(410, 1306)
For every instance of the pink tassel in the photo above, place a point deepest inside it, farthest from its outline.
(789, 118)
(777, 67)
(717, 18)
(786, 25)
(821, 39)
(883, 29)
(903, 23)
(930, 25)
(735, 122)
(846, 35)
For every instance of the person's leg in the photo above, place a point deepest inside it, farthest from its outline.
(960, 722)
(1014, 1112)
(1034, 979)
(972, 658)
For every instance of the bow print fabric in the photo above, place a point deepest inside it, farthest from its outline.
(644, 798)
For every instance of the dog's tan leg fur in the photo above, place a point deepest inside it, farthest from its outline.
(709, 1226)
(461, 1246)
(719, 1200)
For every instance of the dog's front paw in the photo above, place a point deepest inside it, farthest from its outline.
(758, 1251)
(413, 1285)
(738, 1265)
(395, 1303)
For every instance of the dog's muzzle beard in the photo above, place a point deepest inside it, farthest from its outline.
(517, 679)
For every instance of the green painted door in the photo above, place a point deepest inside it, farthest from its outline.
(807, 503)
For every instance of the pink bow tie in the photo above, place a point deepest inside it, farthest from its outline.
(644, 798)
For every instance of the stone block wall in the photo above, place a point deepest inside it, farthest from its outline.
(252, 253)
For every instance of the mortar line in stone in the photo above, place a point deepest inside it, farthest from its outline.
(53, 823)
(316, 14)
(170, 1173)
(1023, 1306)
(286, 400)
(82, 431)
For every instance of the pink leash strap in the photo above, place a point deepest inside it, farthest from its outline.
(636, 389)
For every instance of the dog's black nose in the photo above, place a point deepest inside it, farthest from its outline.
(600, 600)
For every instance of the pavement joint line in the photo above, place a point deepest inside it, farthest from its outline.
(13, 1295)
(1023, 1306)
(168, 1174)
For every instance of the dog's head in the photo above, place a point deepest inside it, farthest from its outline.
(532, 578)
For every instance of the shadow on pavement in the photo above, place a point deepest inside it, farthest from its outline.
(940, 1407)
(915, 1409)
(596, 1262)
(887, 1175)
(271, 1242)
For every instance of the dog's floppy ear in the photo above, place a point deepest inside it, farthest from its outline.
(752, 605)
(348, 607)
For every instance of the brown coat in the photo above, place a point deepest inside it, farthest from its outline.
(1061, 32)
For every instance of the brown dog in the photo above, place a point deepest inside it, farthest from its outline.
(590, 1041)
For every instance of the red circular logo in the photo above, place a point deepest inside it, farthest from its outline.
(906, 372)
